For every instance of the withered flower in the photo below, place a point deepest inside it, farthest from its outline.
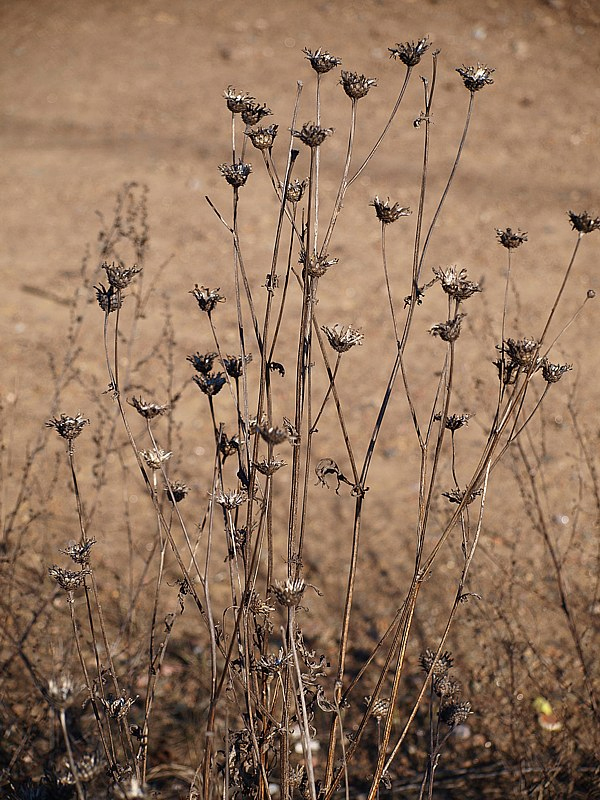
(211, 384)
(441, 665)
(252, 113)
(202, 362)
(80, 552)
(317, 265)
(207, 299)
(446, 687)
(109, 299)
(387, 213)
(455, 283)
(177, 491)
(553, 372)
(269, 466)
(583, 222)
(380, 707)
(355, 85)
(457, 495)
(312, 135)
(321, 61)
(68, 427)
(117, 708)
(155, 458)
(120, 277)
(61, 690)
(454, 714)
(522, 352)
(456, 421)
(272, 434)
(228, 446)
(263, 138)
(511, 239)
(289, 592)
(231, 499)
(67, 579)
(236, 175)
(410, 53)
(475, 78)
(147, 409)
(237, 101)
(295, 190)
(234, 365)
(448, 331)
(343, 338)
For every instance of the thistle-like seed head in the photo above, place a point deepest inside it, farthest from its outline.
(441, 666)
(380, 707)
(68, 427)
(312, 135)
(117, 708)
(177, 491)
(228, 446)
(80, 552)
(316, 265)
(109, 299)
(553, 372)
(410, 53)
(456, 421)
(295, 190)
(522, 352)
(237, 101)
(511, 239)
(210, 384)
(202, 362)
(454, 282)
(269, 466)
(147, 409)
(355, 85)
(289, 592)
(231, 499)
(263, 138)
(583, 222)
(234, 365)
(387, 213)
(475, 78)
(457, 495)
(252, 113)
(67, 579)
(343, 338)
(446, 687)
(120, 277)
(321, 61)
(448, 331)
(236, 175)
(455, 713)
(155, 458)
(207, 299)
(61, 690)
(272, 434)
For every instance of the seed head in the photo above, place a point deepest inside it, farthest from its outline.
(211, 384)
(88, 767)
(522, 352)
(234, 365)
(456, 421)
(117, 708)
(109, 299)
(454, 282)
(441, 666)
(355, 85)
(67, 579)
(177, 491)
(231, 499)
(448, 331)
(252, 113)
(409, 52)
(455, 713)
(202, 362)
(228, 446)
(295, 190)
(321, 61)
(68, 427)
(237, 101)
(387, 213)
(272, 434)
(380, 707)
(475, 78)
(289, 593)
(583, 222)
(553, 372)
(263, 138)
(207, 299)
(312, 135)
(269, 466)
(146, 409)
(80, 552)
(343, 338)
(457, 495)
(510, 239)
(236, 175)
(155, 458)
(120, 277)
(445, 686)
(316, 265)
(61, 690)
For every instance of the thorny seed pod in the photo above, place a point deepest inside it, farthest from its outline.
(457, 495)
(202, 362)
(343, 337)
(269, 466)
(231, 499)
(454, 282)
(146, 409)
(109, 300)
(321, 61)
(312, 135)
(475, 78)
(522, 352)
(67, 579)
(295, 190)
(444, 662)
(176, 491)
(271, 434)
(410, 53)
(454, 714)
(263, 138)
(237, 101)
(155, 458)
(68, 427)
(210, 384)
(355, 85)
(511, 239)
(207, 299)
(456, 421)
(387, 213)
(448, 331)
(252, 113)
(120, 277)
(117, 708)
(79, 552)
(316, 265)
(289, 593)
(553, 372)
(583, 222)
(234, 365)
(236, 175)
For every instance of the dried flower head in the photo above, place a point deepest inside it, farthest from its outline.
(120, 277)
(456, 421)
(231, 499)
(553, 372)
(234, 365)
(67, 579)
(263, 138)
(316, 265)
(441, 666)
(457, 496)
(117, 708)
(269, 466)
(272, 434)
(590, 294)
(387, 213)
(210, 384)
(252, 113)
(109, 299)
(236, 175)
(289, 592)
(355, 85)
(321, 61)
(455, 713)
(475, 78)
(380, 707)
(207, 299)
(312, 135)
(522, 352)
(155, 458)
(146, 409)
(237, 101)
(511, 239)
(68, 427)
(409, 52)
(177, 491)
(583, 222)
(448, 331)
(79, 552)
(259, 606)
(271, 665)
(343, 338)
(88, 767)
(455, 283)
(61, 690)
(202, 362)
(445, 686)
(295, 190)
(228, 446)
